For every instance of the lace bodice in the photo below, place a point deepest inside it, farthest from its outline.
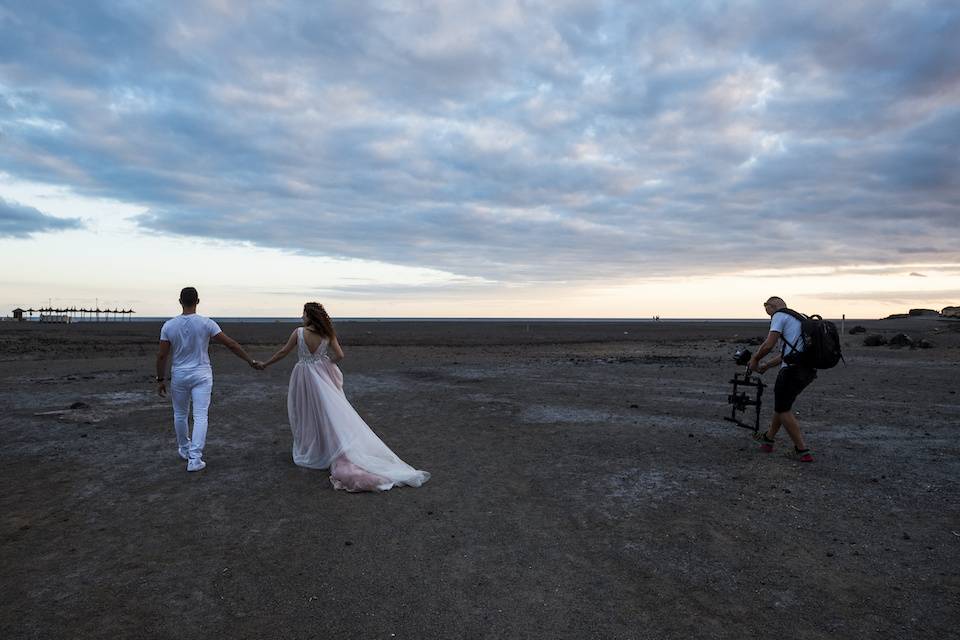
(304, 352)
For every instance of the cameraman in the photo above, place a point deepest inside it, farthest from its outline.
(791, 380)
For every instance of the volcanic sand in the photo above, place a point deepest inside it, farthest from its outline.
(584, 486)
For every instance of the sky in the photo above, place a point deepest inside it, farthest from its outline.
(502, 159)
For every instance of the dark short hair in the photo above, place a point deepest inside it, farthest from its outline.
(189, 296)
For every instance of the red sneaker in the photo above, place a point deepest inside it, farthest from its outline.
(800, 455)
(766, 443)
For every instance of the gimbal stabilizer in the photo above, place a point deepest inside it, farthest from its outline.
(742, 399)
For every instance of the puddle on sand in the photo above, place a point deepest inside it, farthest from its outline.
(644, 485)
(550, 414)
(125, 397)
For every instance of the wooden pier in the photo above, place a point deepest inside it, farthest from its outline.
(74, 314)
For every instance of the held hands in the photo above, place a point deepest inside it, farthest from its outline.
(754, 365)
(161, 388)
(757, 367)
(256, 364)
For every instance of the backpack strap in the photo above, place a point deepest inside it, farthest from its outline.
(793, 345)
(790, 312)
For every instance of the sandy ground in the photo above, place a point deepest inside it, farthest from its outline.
(584, 486)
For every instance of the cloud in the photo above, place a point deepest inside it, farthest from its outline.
(19, 221)
(553, 142)
(934, 297)
(917, 275)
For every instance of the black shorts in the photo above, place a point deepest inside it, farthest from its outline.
(790, 382)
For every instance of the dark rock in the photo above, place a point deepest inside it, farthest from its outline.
(923, 344)
(901, 340)
(922, 312)
(950, 312)
(79, 405)
(875, 340)
(857, 329)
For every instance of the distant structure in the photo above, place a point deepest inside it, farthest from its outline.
(73, 314)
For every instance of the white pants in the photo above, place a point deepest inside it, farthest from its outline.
(185, 386)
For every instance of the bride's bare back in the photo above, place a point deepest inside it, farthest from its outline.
(313, 338)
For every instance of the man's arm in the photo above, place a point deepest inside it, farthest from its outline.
(163, 353)
(768, 345)
(233, 345)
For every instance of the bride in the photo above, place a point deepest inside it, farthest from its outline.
(327, 431)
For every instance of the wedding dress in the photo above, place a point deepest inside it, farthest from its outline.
(329, 434)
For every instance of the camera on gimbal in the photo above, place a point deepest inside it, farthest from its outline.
(742, 356)
(742, 400)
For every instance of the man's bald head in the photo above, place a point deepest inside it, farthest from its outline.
(774, 304)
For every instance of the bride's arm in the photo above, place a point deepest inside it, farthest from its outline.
(284, 350)
(337, 351)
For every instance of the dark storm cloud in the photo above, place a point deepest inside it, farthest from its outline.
(524, 141)
(19, 221)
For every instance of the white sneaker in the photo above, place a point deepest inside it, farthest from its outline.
(196, 464)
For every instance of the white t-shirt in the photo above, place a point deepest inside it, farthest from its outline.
(189, 337)
(790, 331)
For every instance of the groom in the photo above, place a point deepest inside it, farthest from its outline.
(188, 336)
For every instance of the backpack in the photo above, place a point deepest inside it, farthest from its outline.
(821, 342)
